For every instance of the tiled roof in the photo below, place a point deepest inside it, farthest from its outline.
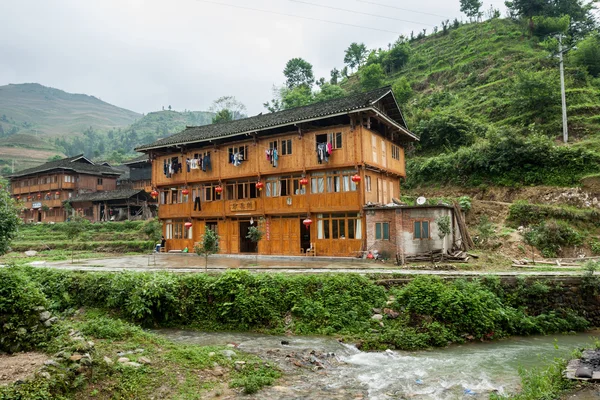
(122, 194)
(76, 164)
(286, 117)
(137, 160)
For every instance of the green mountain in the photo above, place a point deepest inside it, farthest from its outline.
(38, 122)
(31, 108)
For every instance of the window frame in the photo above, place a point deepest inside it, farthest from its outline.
(421, 222)
(382, 230)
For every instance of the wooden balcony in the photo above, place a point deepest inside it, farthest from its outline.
(48, 203)
(343, 201)
(209, 209)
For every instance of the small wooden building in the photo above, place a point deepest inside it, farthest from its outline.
(42, 190)
(303, 175)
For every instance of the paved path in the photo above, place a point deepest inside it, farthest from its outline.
(194, 264)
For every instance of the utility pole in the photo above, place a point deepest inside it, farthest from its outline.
(562, 90)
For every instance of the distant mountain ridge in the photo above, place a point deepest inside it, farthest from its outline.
(34, 108)
(37, 122)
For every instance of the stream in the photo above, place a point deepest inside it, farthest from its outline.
(323, 368)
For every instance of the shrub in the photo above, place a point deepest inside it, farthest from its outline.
(371, 76)
(447, 130)
(402, 90)
(588, 54)
(550, 237)
(21, 302)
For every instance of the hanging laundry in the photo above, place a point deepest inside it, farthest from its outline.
(329, 148)
(268, 154)
(207, 162)
(237, 159)
(322, 155)
(197, 204)
(187, 162)
(275, 158)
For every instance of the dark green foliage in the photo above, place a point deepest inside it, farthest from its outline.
(208, 245)
(371, 77)
(298, 72)
(402, 90)
(9, 218)
(222, 116)
(470, 7)
(536, 95)
(552, 236)
(506, 160)
(21, 302)
(588, 54)
(543, 26)
(447, 130)
(355, 55)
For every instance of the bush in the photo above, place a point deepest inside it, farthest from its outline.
(505, 160)
(523, 213)
(402, 90)
(550, 237)
(371, 76)
(447, 130)
(588, 54)
(21, 302)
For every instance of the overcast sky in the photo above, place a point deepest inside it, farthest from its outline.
(145, 54)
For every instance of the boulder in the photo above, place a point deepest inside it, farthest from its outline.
(583, 372)
(31, 253)
(228, 353)
(144, 360)
(76, 357)
(45, 315)
(48, 323)
(391, 314)
(377, 317)
(123, 360)
(132, 364)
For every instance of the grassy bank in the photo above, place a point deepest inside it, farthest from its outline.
(426, 312)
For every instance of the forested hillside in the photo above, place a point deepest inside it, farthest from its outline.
(115, 145)
(484, 97)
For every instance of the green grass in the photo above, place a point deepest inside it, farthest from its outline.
(176, 371)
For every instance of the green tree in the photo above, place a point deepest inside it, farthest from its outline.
(208, 245)
(470, 8)
(222, 116)
(398, 56)
(535, 95)
(371, 77)
(588, 54)
(298, 72)
(335, 76)
(328, 92)
(9, 218)
(355, 55)
(446, 130)
(74, 227)
(402, 90)
(236, 108)
(255, 235)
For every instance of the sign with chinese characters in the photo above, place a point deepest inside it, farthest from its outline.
(242, 205)
(37, 204)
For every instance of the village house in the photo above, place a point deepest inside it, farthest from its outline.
(303, 175)
(42, 190)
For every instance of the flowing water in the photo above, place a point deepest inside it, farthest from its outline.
(323, 368)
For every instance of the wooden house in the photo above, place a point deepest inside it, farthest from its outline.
(302, 175)
(42, 190)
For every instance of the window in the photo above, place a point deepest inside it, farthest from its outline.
(241, 190)
(273, 145)
(283, 186)
(368, 183)
(337, 181)
(212, 226)
(421, 230)
(241, 150)
(69, 179)
(336, 139)
(99, 181)
(339, 226)
(395, 152)
(286, 147)
(175, 229)
(56, 195)
(383, 153)
(382, 231)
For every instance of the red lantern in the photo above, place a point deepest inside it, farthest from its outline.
(370, 256)
(307, 222)
(154, 194)
(18, 197)
(218, 189)
(260, 185)
(57, 193)
(356, 178)
(185, 192)
(28, 197)
(304, 181)
(39, 195)
(188, 225)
